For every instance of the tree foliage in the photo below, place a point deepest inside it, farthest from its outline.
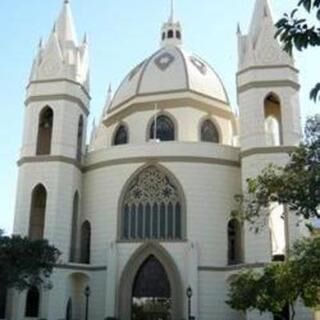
(296, 185)
(25, 263)
(297, 30)
(280, 284)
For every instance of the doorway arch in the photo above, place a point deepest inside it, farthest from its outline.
(155, 253)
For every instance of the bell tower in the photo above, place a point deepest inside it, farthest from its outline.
(268, 98)
(53, 144)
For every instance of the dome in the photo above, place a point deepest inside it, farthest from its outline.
(170, 70)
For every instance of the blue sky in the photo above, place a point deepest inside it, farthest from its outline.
(121, 34)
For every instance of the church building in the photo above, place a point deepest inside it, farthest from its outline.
(142, 214)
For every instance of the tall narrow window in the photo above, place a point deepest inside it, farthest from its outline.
(85, 242)
(45, 131)
(74, 228)
(3, 302)
(162, 128)
(209, 132)
(234, 242)
(152, 208)
(273, 125)
(38, 212)
(121, 136)
(69, 310)
(80, 138)
(32, 303)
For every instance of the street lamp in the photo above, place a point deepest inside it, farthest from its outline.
(87, 292)
(189, 296)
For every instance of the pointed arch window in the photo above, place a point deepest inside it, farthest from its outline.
(178, 34)
(170, 34)
(273, 122)
(69, 310)
(121, 136)
(209, 132)
(85, 242)
(234, 242)
(74, 228)
(38, 212)
(45, 127)
(162, 128)
(80, 138)
(32, 303)
(152, 208)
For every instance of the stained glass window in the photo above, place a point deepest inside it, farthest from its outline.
(165, 130)
(121, 136)
(152, 208)
(209, 132)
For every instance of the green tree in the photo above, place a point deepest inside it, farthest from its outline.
(301, 29)
(296, 185)
(25, 263)
(280, 284)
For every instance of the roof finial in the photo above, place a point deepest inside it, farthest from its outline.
(171, 18)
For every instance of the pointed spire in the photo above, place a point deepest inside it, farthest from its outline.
(85, 39)
(261, 12)
(171, 17)
(239, 29)
(108, 101)
(65, 24)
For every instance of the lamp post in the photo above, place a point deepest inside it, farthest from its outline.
(87, 292)
(189, 296)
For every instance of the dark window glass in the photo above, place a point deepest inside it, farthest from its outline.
(178, 219)
(140, 221)
(170, 34)
(133, 222)
(148, 221)
(80, 138)
(155, 221)
(165, 129)
(162, 221)
(32, 303)
(38, 213)
(121, 136)
(69, 310)
(126, 223)
(178, 34)
(163, 35)
(3, 302)
(74, 229)
(45, 127)
(170, 221)
(85, 242)
(209, 132)
(234, 242)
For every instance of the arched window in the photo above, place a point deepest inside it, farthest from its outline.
(69, 310)
(209, 132)
(3, 302)
(74, 228)
(121, 136)
(80, 138)
(170, 34)
(32, 303)
(38, 212)
(273, 125)
(85, 242)
(163, 35)
(234, 242)
(45, 131)
(162, 128)
(152, 208)
(178, 34)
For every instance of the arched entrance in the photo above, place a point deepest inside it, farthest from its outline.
(151, 294)
(150, 286)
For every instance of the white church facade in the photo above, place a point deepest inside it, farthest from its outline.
(142, 213)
